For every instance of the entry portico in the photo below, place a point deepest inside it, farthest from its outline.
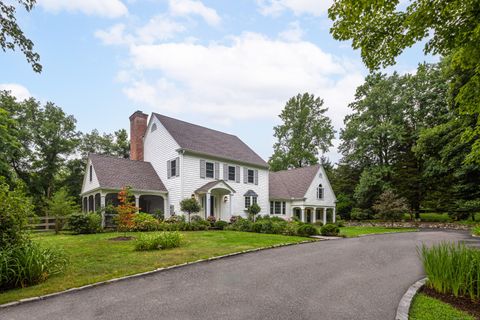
(216, 198)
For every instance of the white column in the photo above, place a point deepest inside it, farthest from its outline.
(324, 216)
(137, 201)
(314, 215)
(334, 215)
(102, 205)
(302, 214)
(207, 200)
(231, 204)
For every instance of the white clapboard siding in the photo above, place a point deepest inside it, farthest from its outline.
(328, 194)
(87, 184)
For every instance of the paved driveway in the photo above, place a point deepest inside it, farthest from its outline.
(359, 278)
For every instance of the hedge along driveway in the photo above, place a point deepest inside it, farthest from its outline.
(95, 258)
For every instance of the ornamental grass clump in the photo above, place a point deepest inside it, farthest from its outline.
(158, 241)
(452, 269)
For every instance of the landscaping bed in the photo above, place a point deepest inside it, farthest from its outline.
(93, 257)
(461, 303)
(425, 307)
(409, 224)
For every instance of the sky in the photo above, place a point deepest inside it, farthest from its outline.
(227, 65)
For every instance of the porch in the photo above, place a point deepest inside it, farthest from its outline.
(152, 202)
(216, 199)
(312, 214)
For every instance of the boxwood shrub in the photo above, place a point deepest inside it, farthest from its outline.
(330, 230)
(81, 223)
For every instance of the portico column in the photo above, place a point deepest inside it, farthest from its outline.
(324, 216)
(207, 209)
(314, 215)
(334, 215)
(231, 204)
(102, 205)
(137, 202)
(302, 214)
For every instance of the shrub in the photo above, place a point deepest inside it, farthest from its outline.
(476, 231)
(291, 228)
(158, 213)
(306, 230)
(190, 205)
(196, 218)
(81, 223)
(145, 222)
(390, 207)
(212, 220)
(158, 241)
(234, 219)
(452, 269)
(435, 217)
(15, 208)
(253, 210)
(27, 263)
(60, 206)
(220, 224)
(125, 211)
(175, 219)
(318, 223)
(359, 214)
(330, 230)
(241, 225)
(340, 223)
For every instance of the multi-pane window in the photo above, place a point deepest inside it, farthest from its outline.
(231, 173)
(173, 168)
(209, 170)
(250, 176)
(278, 207)
(320, 192)
(249, 200)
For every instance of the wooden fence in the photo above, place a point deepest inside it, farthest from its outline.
(42, 224)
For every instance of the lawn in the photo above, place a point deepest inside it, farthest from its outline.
(428, 308)
(351, 232)
(95, 258)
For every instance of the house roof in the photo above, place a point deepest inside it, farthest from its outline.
(250, 193)
(294, 183)
(116, 173)
(209, 185)
(195, 138)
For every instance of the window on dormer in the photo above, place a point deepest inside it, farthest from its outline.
(91, 173)
(320, 192)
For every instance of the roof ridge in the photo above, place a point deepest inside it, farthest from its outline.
(296, 169)
(193, 124)
(114, 157)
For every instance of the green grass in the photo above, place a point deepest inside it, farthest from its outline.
(351, 232)
(476, 231)
(94, 258)
(427, 308)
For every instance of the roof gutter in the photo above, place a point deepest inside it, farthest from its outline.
(188, 151)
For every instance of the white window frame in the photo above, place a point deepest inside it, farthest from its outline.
(251, 201)
(321, 190)
(206, 169)
(278, 204)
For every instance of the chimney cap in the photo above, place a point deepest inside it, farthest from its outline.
(138, 113)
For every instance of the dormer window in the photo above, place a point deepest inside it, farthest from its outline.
(90, 173)
(320, 192)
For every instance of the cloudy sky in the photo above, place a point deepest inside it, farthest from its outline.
(228, 65)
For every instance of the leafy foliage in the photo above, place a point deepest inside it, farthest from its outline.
(253, 210)
(158, 241)
(330, 230)
(60, 206)
(85, 223)
(12, 36)
(126, 211)
(390, 207)
(304, 133)
(190, 205)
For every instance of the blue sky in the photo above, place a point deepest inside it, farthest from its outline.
(228, 65)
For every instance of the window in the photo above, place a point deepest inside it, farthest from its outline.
(154, 127)
(320, 192)
(173, 168)
(91, 173)
(231, 173)
(209, 170)
(247, 202)
(254, 199)
(250, 176)
(278, 207)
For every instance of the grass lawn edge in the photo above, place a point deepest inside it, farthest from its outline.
(141, 274)
(403, 309)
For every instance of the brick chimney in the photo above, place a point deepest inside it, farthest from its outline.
(138, 126)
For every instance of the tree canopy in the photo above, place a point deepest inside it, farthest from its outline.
(304, 133)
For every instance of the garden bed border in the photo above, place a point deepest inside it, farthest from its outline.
(403, 308)
(137, 275)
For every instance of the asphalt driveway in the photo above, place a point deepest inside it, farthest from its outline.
(358, 278)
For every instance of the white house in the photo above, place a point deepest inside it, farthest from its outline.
(171, 160)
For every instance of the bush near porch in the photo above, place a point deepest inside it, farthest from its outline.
(93, 257)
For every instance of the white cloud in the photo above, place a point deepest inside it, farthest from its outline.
(293, 33)
(312, 7)
(104, 8)
(250, 77)
(158, 28)
(193, 7)
(17, 90)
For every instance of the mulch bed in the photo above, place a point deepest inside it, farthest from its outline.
(461, 303)
(121, 238)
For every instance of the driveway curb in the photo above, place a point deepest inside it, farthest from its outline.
(406, 301)
(138, 275)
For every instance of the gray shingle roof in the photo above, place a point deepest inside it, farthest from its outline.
(199, 139)
(294, 183)
(210, 185)
(116, 173)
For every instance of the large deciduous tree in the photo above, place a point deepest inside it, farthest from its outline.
(383, 29)
(12, 36)
(305, 132)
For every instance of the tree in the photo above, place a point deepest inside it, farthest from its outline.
(126, 210)
(253, 210)
(190, 205)
(11, 36)
(390, 207)
(383, 29)
(60, 206)
(9, 143)
(305, 132)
